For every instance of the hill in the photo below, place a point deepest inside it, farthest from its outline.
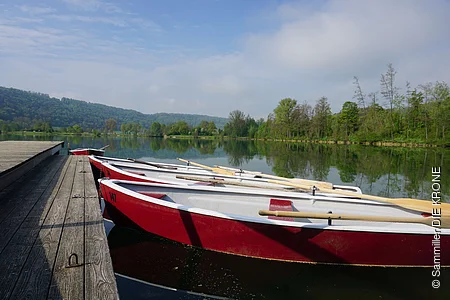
(64, 112)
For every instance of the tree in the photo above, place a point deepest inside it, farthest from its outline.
(302, 119)
(77, 129)
(320, 123)
(349, 117)
(236, 124)
(156, 129)
(180, 127)
(359, 95)
(110, 125)
(390, 93)
(284, 113)
(211, 128)
(415, 101)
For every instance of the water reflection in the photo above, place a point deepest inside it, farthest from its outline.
(163, 262)
(383, 171)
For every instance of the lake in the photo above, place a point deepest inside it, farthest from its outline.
(146, 262)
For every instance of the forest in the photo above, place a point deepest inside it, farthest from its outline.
(402, 115)
(416, 115)
(24, 110)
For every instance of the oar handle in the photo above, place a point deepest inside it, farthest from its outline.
(319, 184)
(194, 163)
(240, 170)
(444, 221)
(104, 147)
(217, 170)
(151, 164)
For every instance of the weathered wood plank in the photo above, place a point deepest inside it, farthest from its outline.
(21, 206)
(68, 282)
(100, 282)
(63, 217)
(18, 255)
(18, 157)
(19, 151)
(21, 187)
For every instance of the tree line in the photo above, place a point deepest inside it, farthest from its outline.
(415, 115)
(22, 110)
(156, 129)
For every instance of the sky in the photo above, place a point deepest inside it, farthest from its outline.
(214, 56)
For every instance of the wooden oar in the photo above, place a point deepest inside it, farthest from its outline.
(217, 181)
(104, 147)
(217, 170)
(443, 222)
(408, 203)
(319, 184)
(151, 164)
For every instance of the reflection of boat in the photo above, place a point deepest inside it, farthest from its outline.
(115, 168)
(227, 220)
(88, 151)
(147, 257)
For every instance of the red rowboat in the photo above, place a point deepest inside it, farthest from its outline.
(227, 220)
(116, 168)
(88, 151)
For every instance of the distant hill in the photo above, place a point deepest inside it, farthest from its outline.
(15, 103)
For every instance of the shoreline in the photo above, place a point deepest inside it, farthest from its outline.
(216, 137)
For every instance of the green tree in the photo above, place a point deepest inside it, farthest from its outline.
(110, 125)
(156, 129)
(284, 114)
(236, 124)
(349, 117)
(321, 120)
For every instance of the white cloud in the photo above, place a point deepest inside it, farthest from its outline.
(36, 10)
(312, 52)
(93, 5)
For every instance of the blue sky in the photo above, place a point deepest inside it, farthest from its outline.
(214, 56)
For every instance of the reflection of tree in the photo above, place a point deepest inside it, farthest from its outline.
(397, 172)
(346, 162)
(205, 146)
(155, 144)
(131, 142)
(179, 146)
(239, 151)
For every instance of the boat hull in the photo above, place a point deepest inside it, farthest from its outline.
(278, 242)
(87, 151)
(175, 265)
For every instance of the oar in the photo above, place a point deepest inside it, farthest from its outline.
(408, 203)
(319, 184)
(152, 164)
(104, 147)
(216, 181)
(217, 170)
(443, 222)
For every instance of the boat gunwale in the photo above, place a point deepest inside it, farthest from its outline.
(255, 191)
(398, 228)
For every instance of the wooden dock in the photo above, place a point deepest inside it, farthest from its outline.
(18, 157)
(52, 239)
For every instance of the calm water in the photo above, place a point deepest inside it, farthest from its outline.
(392, 172)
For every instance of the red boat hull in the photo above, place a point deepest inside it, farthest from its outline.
(113, 174)
(270, 241)
(87, 152)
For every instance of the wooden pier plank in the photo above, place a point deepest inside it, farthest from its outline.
(12, 195)
(13, 153)
(18, 157)
(98, 283)
(68, 281)
(14, 212)
(15, 261)
(51, 212)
